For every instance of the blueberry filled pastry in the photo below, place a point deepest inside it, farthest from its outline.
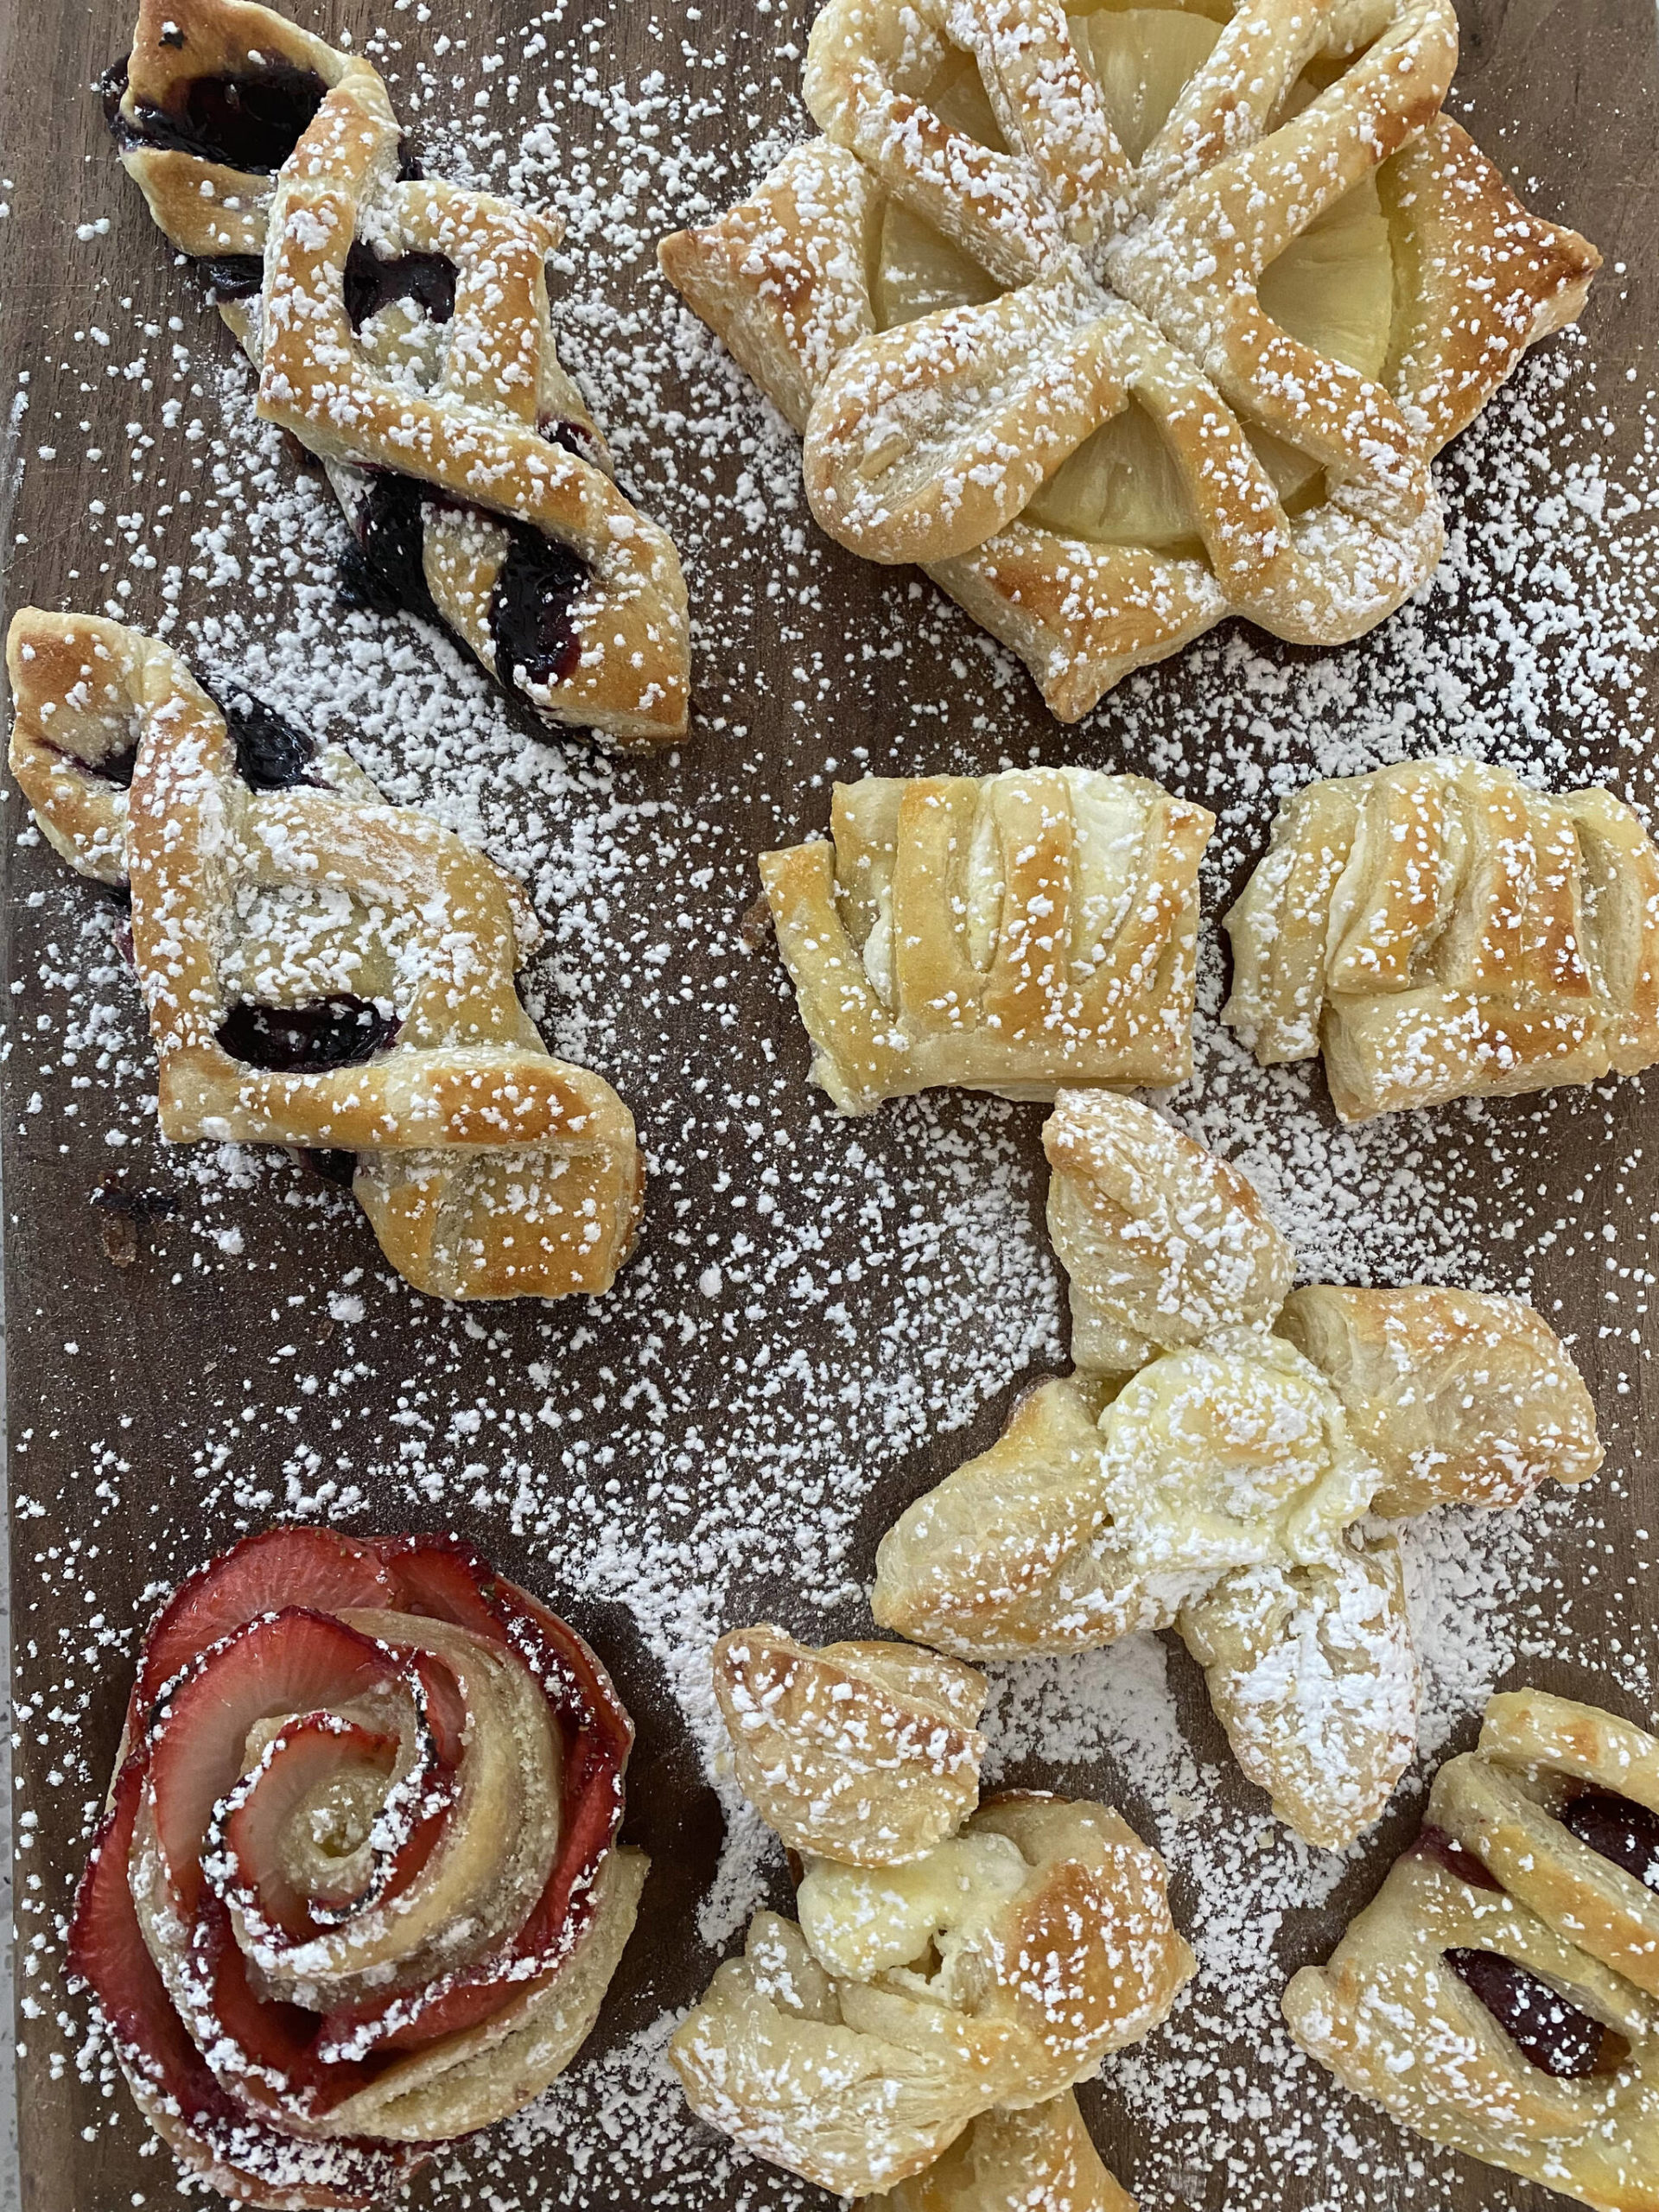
(399, 326)
(324, 970)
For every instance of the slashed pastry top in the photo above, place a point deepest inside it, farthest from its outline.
(1121, 321)
(1010, 933)
(1499, 1994)
(1441, 930)
(400, 325)
(324, 970)
(854, 2047)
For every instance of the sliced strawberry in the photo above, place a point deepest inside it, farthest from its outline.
(245, 1851)
(262, 1575)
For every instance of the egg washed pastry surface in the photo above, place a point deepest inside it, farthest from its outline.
(324, 970)
(1123, 320)
(399, 326)
(1501, 1993)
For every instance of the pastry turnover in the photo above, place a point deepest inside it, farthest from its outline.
(1037, 2160)
(399, 326)
(862, 1752)
(856, 2048)
(1499, 1995)
(1442, 931)
(324, 970)
(355, 1892)
(1010, 933)
(1121, 321)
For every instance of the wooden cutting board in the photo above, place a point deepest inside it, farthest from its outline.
(825, 1318)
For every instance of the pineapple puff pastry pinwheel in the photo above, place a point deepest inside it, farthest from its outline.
(1218, 1488)
(1123, 321)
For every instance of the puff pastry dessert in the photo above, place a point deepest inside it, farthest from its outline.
(1501, 1994)
(1122, 321)
(1040, 2159)
(324, 970)
(400, 325)
(1010, 933)
(862, 1752)
(356, 1891)
(856, 2048)
(1442, 931)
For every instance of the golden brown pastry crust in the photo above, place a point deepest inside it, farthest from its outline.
(488, 1168)
(469, 406)
(1038, 2160)
(1103, 310)
(862, 1752)
(1442, 931)
(1009, 932)
(1394, 2020)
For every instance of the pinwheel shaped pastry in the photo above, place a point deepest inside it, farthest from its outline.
(355, 1892)
(856, 2048)
(400, 329)
(1007, 932)
(1123, 321)
(1501, 1994)
(1216, 1490)
(324, 970)
(1442, 931)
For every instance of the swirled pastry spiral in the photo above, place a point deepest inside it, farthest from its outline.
(356, 1891)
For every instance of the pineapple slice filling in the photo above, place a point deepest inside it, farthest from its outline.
(1331, 288)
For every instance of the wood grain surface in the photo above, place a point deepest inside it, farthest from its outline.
(156, 1325)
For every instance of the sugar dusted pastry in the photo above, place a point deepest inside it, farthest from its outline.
(1441, 930)
(1163, 1243)
(400, 325)
(1499, 1993)
(1122, 322)
(1460, 1397)
(1039, 2159)
(324, 970)
(1009, 933)
(356, 1891)
(863, 1752)
(995, 1973)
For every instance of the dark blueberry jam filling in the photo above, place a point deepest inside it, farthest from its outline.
(530, 623)
(1616, 1829)
(429, 279)
(271, 755)
(1552, 2034)
(1446, 1851)
(341, 1032)
(252, 121)
(384, 571)
(233, 276)
(114, 768)
(574, 438)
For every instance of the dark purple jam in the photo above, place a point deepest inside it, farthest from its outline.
(574, 438)
(531, 624)
(252, 122)
(231, 275)
(384, 570)
(429, 279)
(1551, 2033)
(1446, 1851)
(1617, 1830)
(114, 768)
(271, 755)
(340, 1031)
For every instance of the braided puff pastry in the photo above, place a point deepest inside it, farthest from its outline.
(355, 1892)
(324, 970)
(856, 2048)
(862, 1752)
(1499, 1994)
(1038, 2160)
(1442, 931)
(1123, 320)
(1010, 933)
(400, 329)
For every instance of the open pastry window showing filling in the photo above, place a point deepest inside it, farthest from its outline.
(250, 121)
(1551, 2032)
(1625, 1833)
(1332, 289)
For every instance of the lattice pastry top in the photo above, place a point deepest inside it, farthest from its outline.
(1501, 1994)
(1009, 932)
(324, 970)
(1121, 321)
(400, 327)
(856, 2048)
(1444, 930)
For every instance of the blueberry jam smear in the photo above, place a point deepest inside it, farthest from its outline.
(1550, 2032)
(338, 1032)
(251, 122)
(271, 755)
(114, 768)
(1625, 1833)
(429, 279)
(1444, 1850)
(231, 275)
(384, 570)
(530, 623)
